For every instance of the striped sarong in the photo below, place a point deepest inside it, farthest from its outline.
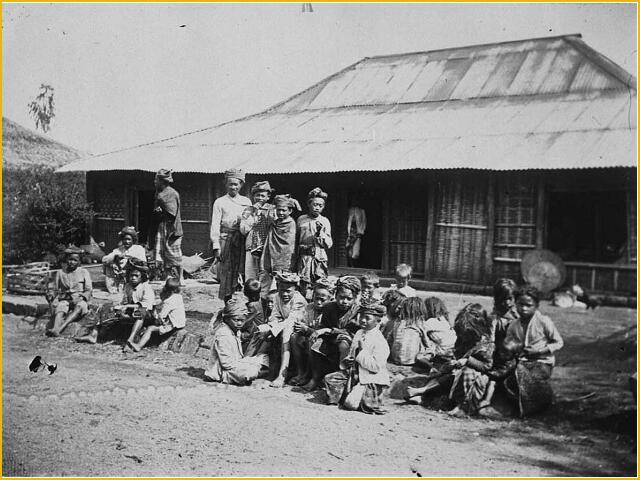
(167, 251)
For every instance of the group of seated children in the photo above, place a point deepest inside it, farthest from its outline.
(512, 349)
(342, 339)
(71, 292)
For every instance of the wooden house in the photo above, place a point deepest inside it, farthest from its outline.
(464, 159)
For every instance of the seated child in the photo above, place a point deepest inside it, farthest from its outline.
(170, 317)
(391, 299)
(408, 335)
(468, 379)
(403, 275)
(289, 307)
(504, 312)
(440, 336)
(71, 293)
(330, 344)
(302, 330)
(536, 339)
(115, 263)
(137, 301)
(259, 309)
(370, 283)
(368, 359)
(227, 363)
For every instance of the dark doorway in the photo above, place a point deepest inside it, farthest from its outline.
(588, 226)
(371, 242)
(143, 204)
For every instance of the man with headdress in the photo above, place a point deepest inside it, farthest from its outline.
(280, 245)
(115, 263)
(255, 224)
(226, 238)
(314, 239)
(71, 293)
(165, 234)
(227, 363)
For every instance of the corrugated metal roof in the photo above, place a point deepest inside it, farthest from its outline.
(547, 103)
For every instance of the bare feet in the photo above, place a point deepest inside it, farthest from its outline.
(299, 380)
(456, 412)
(310, 386)
(278, 382)
(134, 346)
(90, 338)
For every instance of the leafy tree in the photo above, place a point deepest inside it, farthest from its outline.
(41, 109)
(42, 210)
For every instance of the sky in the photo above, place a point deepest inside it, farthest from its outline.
(128, 74)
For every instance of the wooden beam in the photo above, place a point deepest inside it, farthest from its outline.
(489, 238)
(540, 212)
(431, 228)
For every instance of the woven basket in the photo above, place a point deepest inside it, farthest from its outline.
(29, 279)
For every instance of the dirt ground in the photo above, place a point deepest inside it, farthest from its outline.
(105, 413)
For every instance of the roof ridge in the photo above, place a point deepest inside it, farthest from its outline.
(603, 62)
(476, 45)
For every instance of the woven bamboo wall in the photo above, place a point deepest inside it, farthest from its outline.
(515, 227)
(632, 239)
(460, 229)
(408, 230)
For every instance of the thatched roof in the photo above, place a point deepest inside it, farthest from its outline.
(22, 147)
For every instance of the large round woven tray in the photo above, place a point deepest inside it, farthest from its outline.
(543, 269)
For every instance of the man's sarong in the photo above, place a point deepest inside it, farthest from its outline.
(168, 250)
(231, 262)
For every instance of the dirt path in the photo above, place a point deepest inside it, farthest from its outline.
(108, 414)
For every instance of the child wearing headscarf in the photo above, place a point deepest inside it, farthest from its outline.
(331, 342)
(314, 239)
(367, 359)
(280, 245)
(227, 363)
(255, 224)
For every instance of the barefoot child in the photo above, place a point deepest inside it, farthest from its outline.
(71, 293)
(280, 245)
(538, 339)
(137, 301)
(314, 239)
(227, 363)
(170, 317)
(368, 355)
(331, 342)
(303, 329)
(289, 308)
